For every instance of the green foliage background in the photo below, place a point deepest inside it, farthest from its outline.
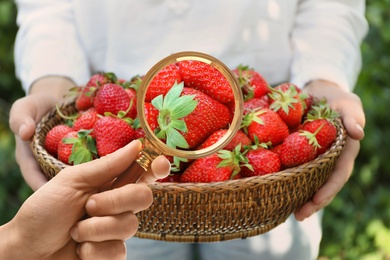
(356, 224)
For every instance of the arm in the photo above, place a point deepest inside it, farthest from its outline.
(49, 60)
(47, 43)
(326, 40)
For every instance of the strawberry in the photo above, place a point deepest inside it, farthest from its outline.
(240, 138)
(305, 98)
(206, 170)
(101, 78)
(84, 98)
(263, 161)
(111, 98)
(85, 94)
(265, 125)
(54, 136)
(132, 113)
(112, 133)
(187, 116)
(221, 166)
(163, 82)
(298, 148)
(325, 136)
(151, 115)
(207, 79)
(254, 103)
(76, 148)
(85, 120)
(251, 82)
(322, 116)
(288, 105)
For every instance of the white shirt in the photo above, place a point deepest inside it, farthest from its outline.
(285, 40)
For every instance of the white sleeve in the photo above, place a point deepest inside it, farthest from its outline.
(47, 42)
(326, 39)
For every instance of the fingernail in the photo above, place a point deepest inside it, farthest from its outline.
(359, 128)
(91, 205)
(21, 129)
(74, 233)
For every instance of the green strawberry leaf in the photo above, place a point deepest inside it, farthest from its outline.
(172, 109)
(175, 139)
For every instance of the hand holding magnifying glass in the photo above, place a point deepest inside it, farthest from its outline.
(173, 137)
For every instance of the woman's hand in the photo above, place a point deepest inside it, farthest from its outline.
(350, 108)
(25, 114)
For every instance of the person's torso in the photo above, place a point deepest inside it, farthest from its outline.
(129, 37)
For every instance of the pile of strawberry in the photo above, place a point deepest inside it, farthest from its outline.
(189, 105)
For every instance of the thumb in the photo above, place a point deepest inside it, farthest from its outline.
(27, 112)
(96, 173)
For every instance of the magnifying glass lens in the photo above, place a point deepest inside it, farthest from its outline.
(182, 100)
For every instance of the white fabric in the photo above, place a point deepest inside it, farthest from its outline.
(285, 40)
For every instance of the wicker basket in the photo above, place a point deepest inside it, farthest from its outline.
(211, 212)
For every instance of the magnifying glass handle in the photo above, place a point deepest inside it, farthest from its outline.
(132, 174)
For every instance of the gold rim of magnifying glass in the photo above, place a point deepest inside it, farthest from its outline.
(226, 72)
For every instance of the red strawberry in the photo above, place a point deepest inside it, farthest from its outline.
(322, 116)
(85, 120)
(298, 148)
(208, 117)
(85, 97)
(54, 136)
(265, 125)
(102, 78)
(251, 82)
(220, 166)
(187, 117)
(288, 105)
(204, 77)
(151, 114)
(255, 103)
(111, 98)
(132, 113)
(111, 134)
(263, 161)
(240, 138)
(325, 136)
(163, 82)
(76, 148)
(206, 170)
(305, 98)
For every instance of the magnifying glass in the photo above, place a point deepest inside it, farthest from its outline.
(154, 145)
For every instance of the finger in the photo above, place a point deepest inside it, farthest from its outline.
(103, 170)
(115, 249)
(131, 197)
(337, 179)
(28, 165)
(341, 173)
(27, 112)
(352, 114)
(160, 168)
(98, 229)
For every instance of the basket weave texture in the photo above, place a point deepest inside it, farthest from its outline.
(212, 212)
